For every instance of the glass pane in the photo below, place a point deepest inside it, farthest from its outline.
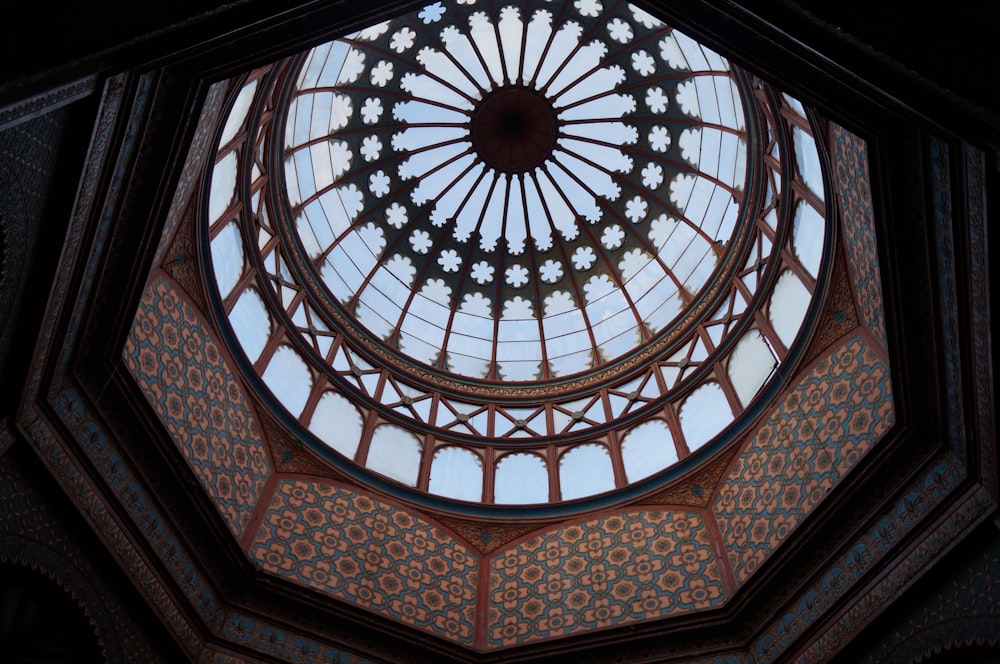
(807, 158)
(223, 187)
(251, 323)
(521, 479)
(808, 236)
(288, 379)
(239, 113)
(337, 423)
(227, 258)
(704, 414)
(648, 448)
(585, 471)
(395, 453)
(457, 473)
(795, 105)
(750, 365)
(789, 303)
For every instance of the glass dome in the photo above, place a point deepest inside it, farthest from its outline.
(515, 255)
(514, 198)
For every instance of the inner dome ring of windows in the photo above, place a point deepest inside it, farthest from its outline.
(487, 222)
(474, 274)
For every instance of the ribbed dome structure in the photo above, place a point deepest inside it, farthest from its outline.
(516, 254)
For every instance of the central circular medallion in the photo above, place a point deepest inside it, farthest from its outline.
(514, 130)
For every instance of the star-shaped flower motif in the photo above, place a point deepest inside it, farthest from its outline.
(396, 215)
(449, 260)
(659, 138)
(551, 271)
(652, 175)
(620, 31)
(635, 209)
(517, 275)
(432, 13)
(643, 63)
(371, 147)
(378, 183)
(372, 110)
(482, 272)
(382, 73)
(402, 40)
(584, 258)
(656, 99)
(613, 236)
(588, 7)
(420, 241)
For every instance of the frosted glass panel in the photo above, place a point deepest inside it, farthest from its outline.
(223, 186)
(807, 237)
(750, 365)
(704, 414)
(395, 453)
(337, 423)
(239, 113)
(807, 158)
(288, 378)
(584, 471)
(789, 304)
(457, 473)
(251, 323)
(796, 105)
(648, 448)
(227, 258)
(521, 479)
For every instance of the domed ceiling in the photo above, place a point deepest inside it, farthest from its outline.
(515, 255)
(516, 321)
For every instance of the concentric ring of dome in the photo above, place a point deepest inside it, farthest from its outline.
(419, 425)
(611, 209)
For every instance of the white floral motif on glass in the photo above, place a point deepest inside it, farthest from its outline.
(656, 100)
(636, 208)
(396, 215)
(620, 31)
(371, 147)
(659, 138)
(432, 13)
(449, 260)
(482, 272)
(551, 271)
(371, 111)
(420, 241)
(584, 258)
(402, 40)
(652, 175)
(382, 73)
(643, 63)
(588, 7)
(378, 183)
(612, 237)
(517, 275)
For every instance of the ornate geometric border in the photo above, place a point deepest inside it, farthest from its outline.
(55, 412)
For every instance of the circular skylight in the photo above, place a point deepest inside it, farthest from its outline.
(515, 193)
(515, 255)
